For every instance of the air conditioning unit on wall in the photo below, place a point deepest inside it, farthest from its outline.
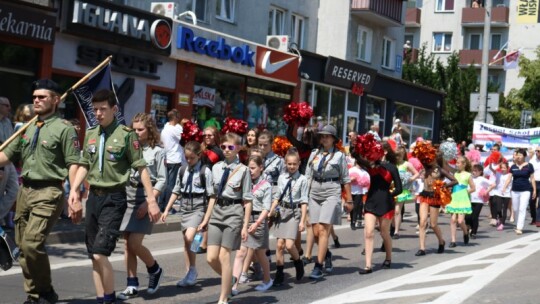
(167, 9)
(280, 42)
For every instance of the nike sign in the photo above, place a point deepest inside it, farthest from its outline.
(269, 67)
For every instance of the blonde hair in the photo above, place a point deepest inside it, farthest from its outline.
(150, 125)
(232, 138)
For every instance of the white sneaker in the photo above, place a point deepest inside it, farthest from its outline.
(190, 279)
(264, 286)
(243, 278)
(130, 292)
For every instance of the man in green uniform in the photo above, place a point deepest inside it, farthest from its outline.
(110, 150)
(49, 150)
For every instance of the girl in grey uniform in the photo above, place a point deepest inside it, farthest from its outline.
(292, 202)
(229, 211)
(193, 185)
(326, 172)
(135, 223)
(258, 234)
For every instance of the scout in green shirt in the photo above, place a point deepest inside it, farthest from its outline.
(109, 151)
(49, 151)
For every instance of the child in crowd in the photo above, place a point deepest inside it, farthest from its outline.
(478, 197)
(501, 196)
(292, 192)
(229, 211)
(461, 201)
(359, 187)
(258, 234)
(193, 187)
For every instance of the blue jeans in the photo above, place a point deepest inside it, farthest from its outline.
(172, 173)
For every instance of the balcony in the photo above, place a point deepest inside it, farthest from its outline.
(474, 17)
(413, 17)
(474, 57)
(384, 13)
(410, 55)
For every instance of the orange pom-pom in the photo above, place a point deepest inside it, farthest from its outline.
(281, 145)
(339, 146)
(441, 193)
(425, 152)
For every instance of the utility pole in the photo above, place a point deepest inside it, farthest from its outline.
(482, 109)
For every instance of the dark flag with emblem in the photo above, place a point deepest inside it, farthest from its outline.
(84, 93)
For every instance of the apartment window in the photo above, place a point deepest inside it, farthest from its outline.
(364, 39)
(225, 10)
(297, 30)
(199, 8)
(388, 53)
(496, 40)
(442, 42)
(276, 22)
(475, 42)
(444, 6)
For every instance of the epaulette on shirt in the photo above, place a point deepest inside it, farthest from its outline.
(67, 122)
(92, 128)
(127, 129)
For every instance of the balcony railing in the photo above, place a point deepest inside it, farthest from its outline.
(410, 55)
(413, 17)
(475, 16)
(386, 13)
(474, 57)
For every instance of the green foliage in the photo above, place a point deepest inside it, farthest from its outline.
(525, 98)
(457, 83)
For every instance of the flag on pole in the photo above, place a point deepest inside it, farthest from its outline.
(511, 60)
(84, 93)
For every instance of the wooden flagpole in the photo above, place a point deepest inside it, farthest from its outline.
(73, 87)
(499, 59)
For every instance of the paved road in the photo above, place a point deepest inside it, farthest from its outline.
(498, 267)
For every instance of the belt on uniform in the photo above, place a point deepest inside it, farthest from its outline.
(42, 183)
(288, 205)
(228, 202)
(323, 180)
(255, 212)
(102, 191)
(193, 195)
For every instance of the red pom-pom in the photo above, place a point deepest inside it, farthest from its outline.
(191, 132)
(281, 145)
(368, 147)
(297, 113)
(234, 125)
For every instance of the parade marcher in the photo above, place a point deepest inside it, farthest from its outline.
(110, 149)
(258, 231)
(380, 205)
(251, 143)
(210, 146)
(170, 137)
(461, 200)
(49, 151)
(534, 206)
(193, 186)
(136, 224)
(408, 174)
(523, 187)
(226, 218)
(481, 193)
(326, 172)
(429, 203)
(359, 186)
(292, 204)
(500, 195)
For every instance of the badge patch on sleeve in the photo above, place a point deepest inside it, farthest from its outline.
(136, 144)
(76, 144)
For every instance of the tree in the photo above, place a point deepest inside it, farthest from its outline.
(455, 82)
(525, 98)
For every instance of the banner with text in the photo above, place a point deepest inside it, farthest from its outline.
(527, 11)
(204, 96)
(512, 138)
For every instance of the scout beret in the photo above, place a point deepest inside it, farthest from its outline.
(46, 84)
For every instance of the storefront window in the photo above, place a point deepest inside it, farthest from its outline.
(265, 103)
(320, 105)
(375, 108)
(423, 118)
(18, 69)
(337, 110)
(159, 106)
(415, 122)
(353, 104)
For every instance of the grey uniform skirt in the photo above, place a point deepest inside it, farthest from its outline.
(260, 238)
(225, 226)
(325, 203)
(287, 225)
(130, 222)
(192, 212)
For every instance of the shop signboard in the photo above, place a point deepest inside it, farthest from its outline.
(347, 74)
(27, 23)
(204, 96)
(221, 51)
(118, 24)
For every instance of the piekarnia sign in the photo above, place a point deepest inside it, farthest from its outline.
(345, 74)
(122, 25)
(26, 23)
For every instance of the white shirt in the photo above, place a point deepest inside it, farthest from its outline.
(480, 182)
(501, 180)
(536, 164)
(170, 136)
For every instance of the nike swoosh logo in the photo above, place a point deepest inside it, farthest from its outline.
(269, 67)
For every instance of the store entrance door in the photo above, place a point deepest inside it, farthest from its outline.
(351, 120)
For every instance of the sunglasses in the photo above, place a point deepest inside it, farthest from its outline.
(230, 147)
(40, 97)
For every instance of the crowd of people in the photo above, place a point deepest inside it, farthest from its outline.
(232, 191)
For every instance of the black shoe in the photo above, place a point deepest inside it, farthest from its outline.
(336, 242)
(364, 251)
(328, 267)
(353, 226)
(420, 253)
(466, 239)
(306, 260)
(441, 248)
(386, 264)
(154, 281)
(366, 270)
(473, 236)
(452, 245)
(299, 266)
(396, 236)
(279, 278)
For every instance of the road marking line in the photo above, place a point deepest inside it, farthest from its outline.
(458, 292)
